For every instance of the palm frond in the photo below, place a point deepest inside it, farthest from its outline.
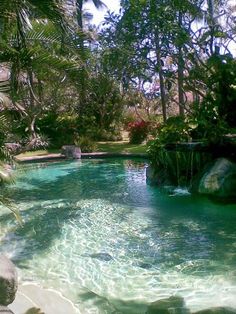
(6, 202)
(99, 4)
(53, 62)
(4, 87)
(52, 10)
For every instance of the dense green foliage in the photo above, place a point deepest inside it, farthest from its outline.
(138, 131)
(67, 81)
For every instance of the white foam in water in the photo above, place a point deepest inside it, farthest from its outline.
(114, 257)
(181, 191)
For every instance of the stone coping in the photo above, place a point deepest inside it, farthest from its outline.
(53, 157)
(31, 297)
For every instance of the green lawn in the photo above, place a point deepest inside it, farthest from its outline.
(109, 147)
(121, 147)
(41, 152)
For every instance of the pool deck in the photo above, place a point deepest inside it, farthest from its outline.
(31, 297)
(56, 157)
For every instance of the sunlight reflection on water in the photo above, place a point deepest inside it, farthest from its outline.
(95, 231)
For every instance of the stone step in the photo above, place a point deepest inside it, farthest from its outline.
(49, 301)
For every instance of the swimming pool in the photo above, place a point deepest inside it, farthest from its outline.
(95, 231)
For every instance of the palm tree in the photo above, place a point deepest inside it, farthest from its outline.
(81, 44)
(30, 48)
(27, 49)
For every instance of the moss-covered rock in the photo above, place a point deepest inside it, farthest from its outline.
(219, 180)
(8, 281)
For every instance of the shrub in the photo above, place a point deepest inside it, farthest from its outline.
(86, 144)
(175, 167)
(138, 131)
(34, 143)
(59, 128)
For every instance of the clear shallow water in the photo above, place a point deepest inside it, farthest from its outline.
(110, 243)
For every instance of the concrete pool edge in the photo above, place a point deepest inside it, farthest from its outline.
(55, 157)
(32, 296)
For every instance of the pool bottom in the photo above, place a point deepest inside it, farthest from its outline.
(111, 244)
(97, 263)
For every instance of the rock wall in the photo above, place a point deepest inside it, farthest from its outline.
(217, 180)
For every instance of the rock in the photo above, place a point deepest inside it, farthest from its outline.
(5, 310)
(8, 281)
(151, 175)
(170, 305)
(6, 173)
(219, 180)
(217, 310)
(154, 177)
(71, 151)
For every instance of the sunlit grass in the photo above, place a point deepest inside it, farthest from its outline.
(42, 152)
(121, 147)
(108, 147)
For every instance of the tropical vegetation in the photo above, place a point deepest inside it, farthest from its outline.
(162, 70)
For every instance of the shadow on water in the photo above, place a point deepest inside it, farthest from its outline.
(180, 232)
(41, 227)
(92, 181)
(158, 230)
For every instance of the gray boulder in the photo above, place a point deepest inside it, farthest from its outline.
(8, 281)
(5, 310)
(71, 151)
(170, 305)
(217, 310)
(219, 180)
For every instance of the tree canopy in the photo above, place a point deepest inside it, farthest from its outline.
(154, 60)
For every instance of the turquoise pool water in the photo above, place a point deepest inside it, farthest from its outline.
(95, 231)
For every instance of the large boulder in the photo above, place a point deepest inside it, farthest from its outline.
(5, 310)
(8, 281)
(170, 305)
(71, 151)
(219, 180)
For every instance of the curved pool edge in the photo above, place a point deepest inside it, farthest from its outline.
(50, 301)
(55, 157)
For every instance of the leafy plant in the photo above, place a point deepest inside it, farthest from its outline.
(175, 167)
(86, 144)
(138, 131)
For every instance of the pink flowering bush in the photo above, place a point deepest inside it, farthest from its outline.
(138, 131)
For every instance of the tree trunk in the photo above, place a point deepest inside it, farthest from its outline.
(32, 131)
(211, 24)
(161, 76)
(82, 79)
(180, 71)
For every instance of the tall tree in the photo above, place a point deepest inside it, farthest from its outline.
(81, 44)
(30, 47)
